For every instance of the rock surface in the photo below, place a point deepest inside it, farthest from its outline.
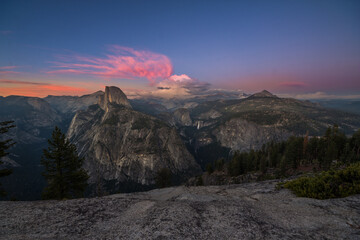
(113, 95)
(247, 211)
(182, 117)
(240, 134)
(122, 145)
(70, 104)
(263, 94)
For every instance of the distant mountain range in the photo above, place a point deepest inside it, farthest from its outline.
(125, 142)
(341, 104)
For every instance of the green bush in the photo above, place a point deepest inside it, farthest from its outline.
(330, 184)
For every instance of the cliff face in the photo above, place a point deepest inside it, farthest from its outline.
(70, 104)
(182, 117)
(113, 95)
(239, 134)
(122, 145)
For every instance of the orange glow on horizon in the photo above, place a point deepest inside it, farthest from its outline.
(42, 90)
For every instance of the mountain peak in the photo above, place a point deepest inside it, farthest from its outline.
(263, 94)
(113, 95)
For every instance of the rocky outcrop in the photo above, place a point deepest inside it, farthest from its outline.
(263, 94)
(212, 114)
(113, 95)
(182, 117)
(71, 104)
(246, 211)
(239, 134)
(121, 145)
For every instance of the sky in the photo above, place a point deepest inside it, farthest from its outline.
(305, 49)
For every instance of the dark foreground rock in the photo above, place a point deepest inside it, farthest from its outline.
(247, 211)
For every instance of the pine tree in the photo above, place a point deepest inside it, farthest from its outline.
(63, 169)
(355, 145)
(283, 166)
(4, 146)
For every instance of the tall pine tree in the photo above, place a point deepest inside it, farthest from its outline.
(4, 146)
(63, 169)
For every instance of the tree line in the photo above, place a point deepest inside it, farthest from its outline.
(286, 156)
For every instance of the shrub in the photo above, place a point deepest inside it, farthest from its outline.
(219, 164)
(199, 181)
(163, 178)
(330, 184)
(209, 168)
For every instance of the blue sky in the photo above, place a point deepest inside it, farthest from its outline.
(285, 46)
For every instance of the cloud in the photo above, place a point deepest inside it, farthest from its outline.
(5, 70)
(180, 86)
(320, 95)
(7, 67)
(21, 82)
(180, 78)
(36, 89)
(122, 62)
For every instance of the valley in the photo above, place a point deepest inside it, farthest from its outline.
(127, 141)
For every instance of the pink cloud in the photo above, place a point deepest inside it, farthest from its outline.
(5, 70)
(180, 78)
(7, 67)
(122, 62)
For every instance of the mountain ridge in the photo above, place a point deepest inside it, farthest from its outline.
(122, 145)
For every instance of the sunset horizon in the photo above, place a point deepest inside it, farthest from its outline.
(315, 53)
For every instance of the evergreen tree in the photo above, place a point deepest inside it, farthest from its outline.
(63, 169)
(355, 145)
(4, 146)
(263, 166)
(219, 164)
(305, 147)
(294, 151)
(283, 166)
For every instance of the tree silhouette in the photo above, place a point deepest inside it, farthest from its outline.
(63, 169)
(4, 146)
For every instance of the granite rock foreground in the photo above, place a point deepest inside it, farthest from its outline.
(246, 211)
